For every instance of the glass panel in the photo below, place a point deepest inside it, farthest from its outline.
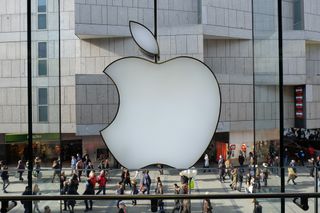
(42, 5)
(43, 96)
(42, 50)
(42, 67)
(42, 21)
(266, 95)
(43, 113)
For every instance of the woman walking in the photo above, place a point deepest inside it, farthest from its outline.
(90, 184)
(36, 191)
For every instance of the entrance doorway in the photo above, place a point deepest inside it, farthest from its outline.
(70, 148)
(221, 143)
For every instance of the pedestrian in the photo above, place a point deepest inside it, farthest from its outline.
(241, 159)
(293, 165)
(101, 179)
(258, 177)
(186, 206)
(301, 156)
(78, 157)
(240, 178)
(134, 191)
(104, 165)
(20, 169)
(64, 187)
(159, 191)
(222, 168)
(257, 207)
(37, 164)
(251, 186)
(73, 185)
(206, 163)
(64, 191)
(228, 167)
(120, 191)
(127, 180)
(206, 206)
(265, 174)
(47, 209)
(5, 178)
(122, 207)
(79, 167)
(146, 182)
(234, 182)
(36, 191)
(56, 169)
(160, 166)
(86, 160)
(89, 190)
(312, 164)
(177, 203)
(73, 164)
(285, 157)
(292, 175)
(26, 203)
(318, 169)
(63, 178)
(89, 168)
(311, 151)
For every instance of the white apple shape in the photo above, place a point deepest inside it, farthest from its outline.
(167, 114)
(168, 111)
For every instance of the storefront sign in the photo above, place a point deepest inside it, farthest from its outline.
(13, 138)
(163, 107)
(232, 147)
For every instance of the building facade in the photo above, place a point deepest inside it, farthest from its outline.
(95, 32)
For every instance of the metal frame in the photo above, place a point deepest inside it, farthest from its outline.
(164, 197)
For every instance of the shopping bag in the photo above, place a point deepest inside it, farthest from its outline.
(191, 184)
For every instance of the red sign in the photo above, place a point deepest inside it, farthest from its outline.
(299, 99)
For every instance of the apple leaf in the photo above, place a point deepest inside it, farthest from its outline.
(144, 38)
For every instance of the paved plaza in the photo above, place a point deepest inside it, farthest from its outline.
(205, 183)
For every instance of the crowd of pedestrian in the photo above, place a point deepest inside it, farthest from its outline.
(247, 176)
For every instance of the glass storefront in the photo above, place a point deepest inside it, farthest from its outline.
(73, 100)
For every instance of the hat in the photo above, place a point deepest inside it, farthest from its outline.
(121, 203)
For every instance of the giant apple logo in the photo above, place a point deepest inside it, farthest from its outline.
(168, 111)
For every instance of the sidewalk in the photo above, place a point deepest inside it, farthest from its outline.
(205, 182)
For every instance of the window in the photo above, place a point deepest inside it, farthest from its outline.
(42, 21)
(42, 6)
(42, 14)
(42, 50)
(43, 104)
(42, 59)
(298, 15)
(42, 67)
